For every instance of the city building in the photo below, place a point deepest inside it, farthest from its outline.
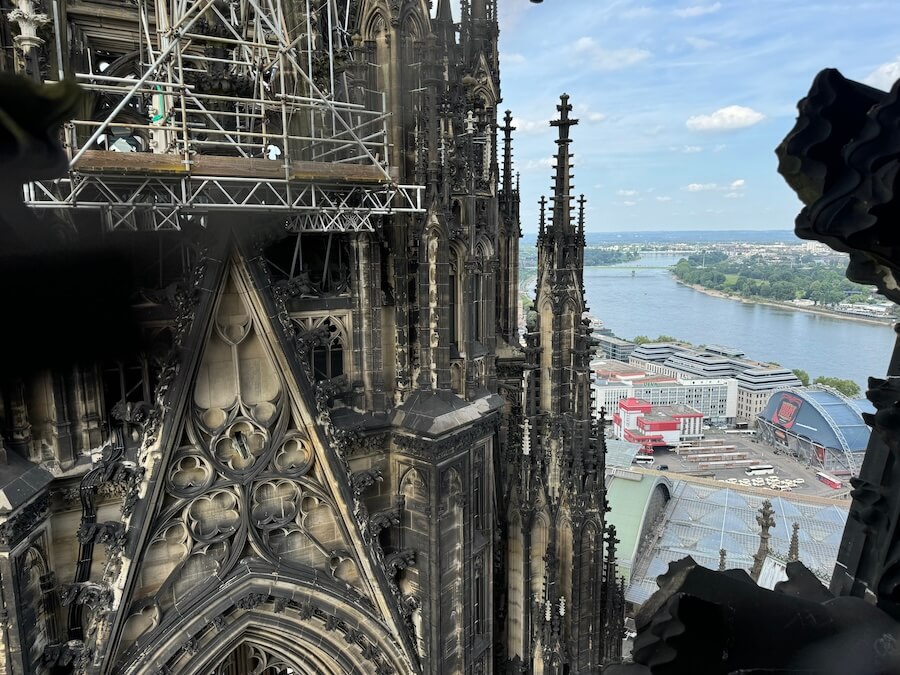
(755, 387)
(716, 398)
(613, 347)
(818, 425)
(613, 381)
(265, 408)
(637, 421)
(755, 381)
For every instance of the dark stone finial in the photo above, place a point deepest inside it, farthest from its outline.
(721, 559)
(766, 520)
(581, 202)
(507, 128)
(794, 549)
(543, 221)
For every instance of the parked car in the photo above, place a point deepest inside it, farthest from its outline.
(663, 467)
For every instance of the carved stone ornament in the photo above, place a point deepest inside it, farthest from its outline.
(384, 519)
(24, 522)
(111, 534)
(842, 158)
(364, 479)
(94, 595)
(71, 654)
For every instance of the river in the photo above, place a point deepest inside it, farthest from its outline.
(650, 302)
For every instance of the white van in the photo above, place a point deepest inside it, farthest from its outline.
(643, 459)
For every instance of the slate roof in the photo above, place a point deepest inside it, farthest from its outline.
(20, 480)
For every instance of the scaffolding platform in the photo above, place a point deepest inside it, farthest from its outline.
(220, 108)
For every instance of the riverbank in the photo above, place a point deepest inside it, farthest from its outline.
(786, 305)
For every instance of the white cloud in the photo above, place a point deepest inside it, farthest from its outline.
(638, 13)
(626, 193)
(512, 59)
(719, 148)
(663, 199)
(725, 119)
(733, 189)
(697, 10)
(524, 126)
(884, 76)
(583, 112)
(629, 203)
(699, 43)
(608, 59)
(584, 44)
(538, 164)
(689, 149)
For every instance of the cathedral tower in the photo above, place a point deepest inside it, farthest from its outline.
(558, 593)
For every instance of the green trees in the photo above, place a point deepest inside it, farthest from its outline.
(848, 388)
(802, 375)
(643, 339)
(781, 280)
(593, 255)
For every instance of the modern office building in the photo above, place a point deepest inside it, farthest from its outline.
(715, 398)
(613, 347)
(755, 381)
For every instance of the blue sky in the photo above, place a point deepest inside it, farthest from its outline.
(681, 103)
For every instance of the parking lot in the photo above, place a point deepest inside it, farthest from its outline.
(790, 474)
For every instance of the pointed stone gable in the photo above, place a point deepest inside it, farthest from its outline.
(247, 486)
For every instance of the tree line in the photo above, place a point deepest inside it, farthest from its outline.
(757, 277)
(594, 256)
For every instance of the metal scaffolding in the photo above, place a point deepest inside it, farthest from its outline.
(251, 105)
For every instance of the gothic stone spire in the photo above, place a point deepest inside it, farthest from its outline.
(766, 521)
(508, 128)
(562, 206)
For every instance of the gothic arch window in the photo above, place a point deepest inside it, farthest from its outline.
(539, 539)
(565, 557)
(413, 487)
(546, 323)
(328, 359)
(453, 303)
(411, 83)
(329, 355)
(455, 286)
(570, 316)
(481, 285)
(484, 112)
(32, 568)
(587, 600)
(516, 571)
(451, 569)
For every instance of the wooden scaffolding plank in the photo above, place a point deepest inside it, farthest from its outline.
(148, 163)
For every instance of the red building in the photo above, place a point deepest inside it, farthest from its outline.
(637, 421)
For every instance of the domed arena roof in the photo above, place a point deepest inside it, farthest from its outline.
(820, 414)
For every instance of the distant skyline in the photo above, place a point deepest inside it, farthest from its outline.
(681, 104)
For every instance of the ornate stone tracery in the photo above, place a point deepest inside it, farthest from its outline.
(243, 484)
